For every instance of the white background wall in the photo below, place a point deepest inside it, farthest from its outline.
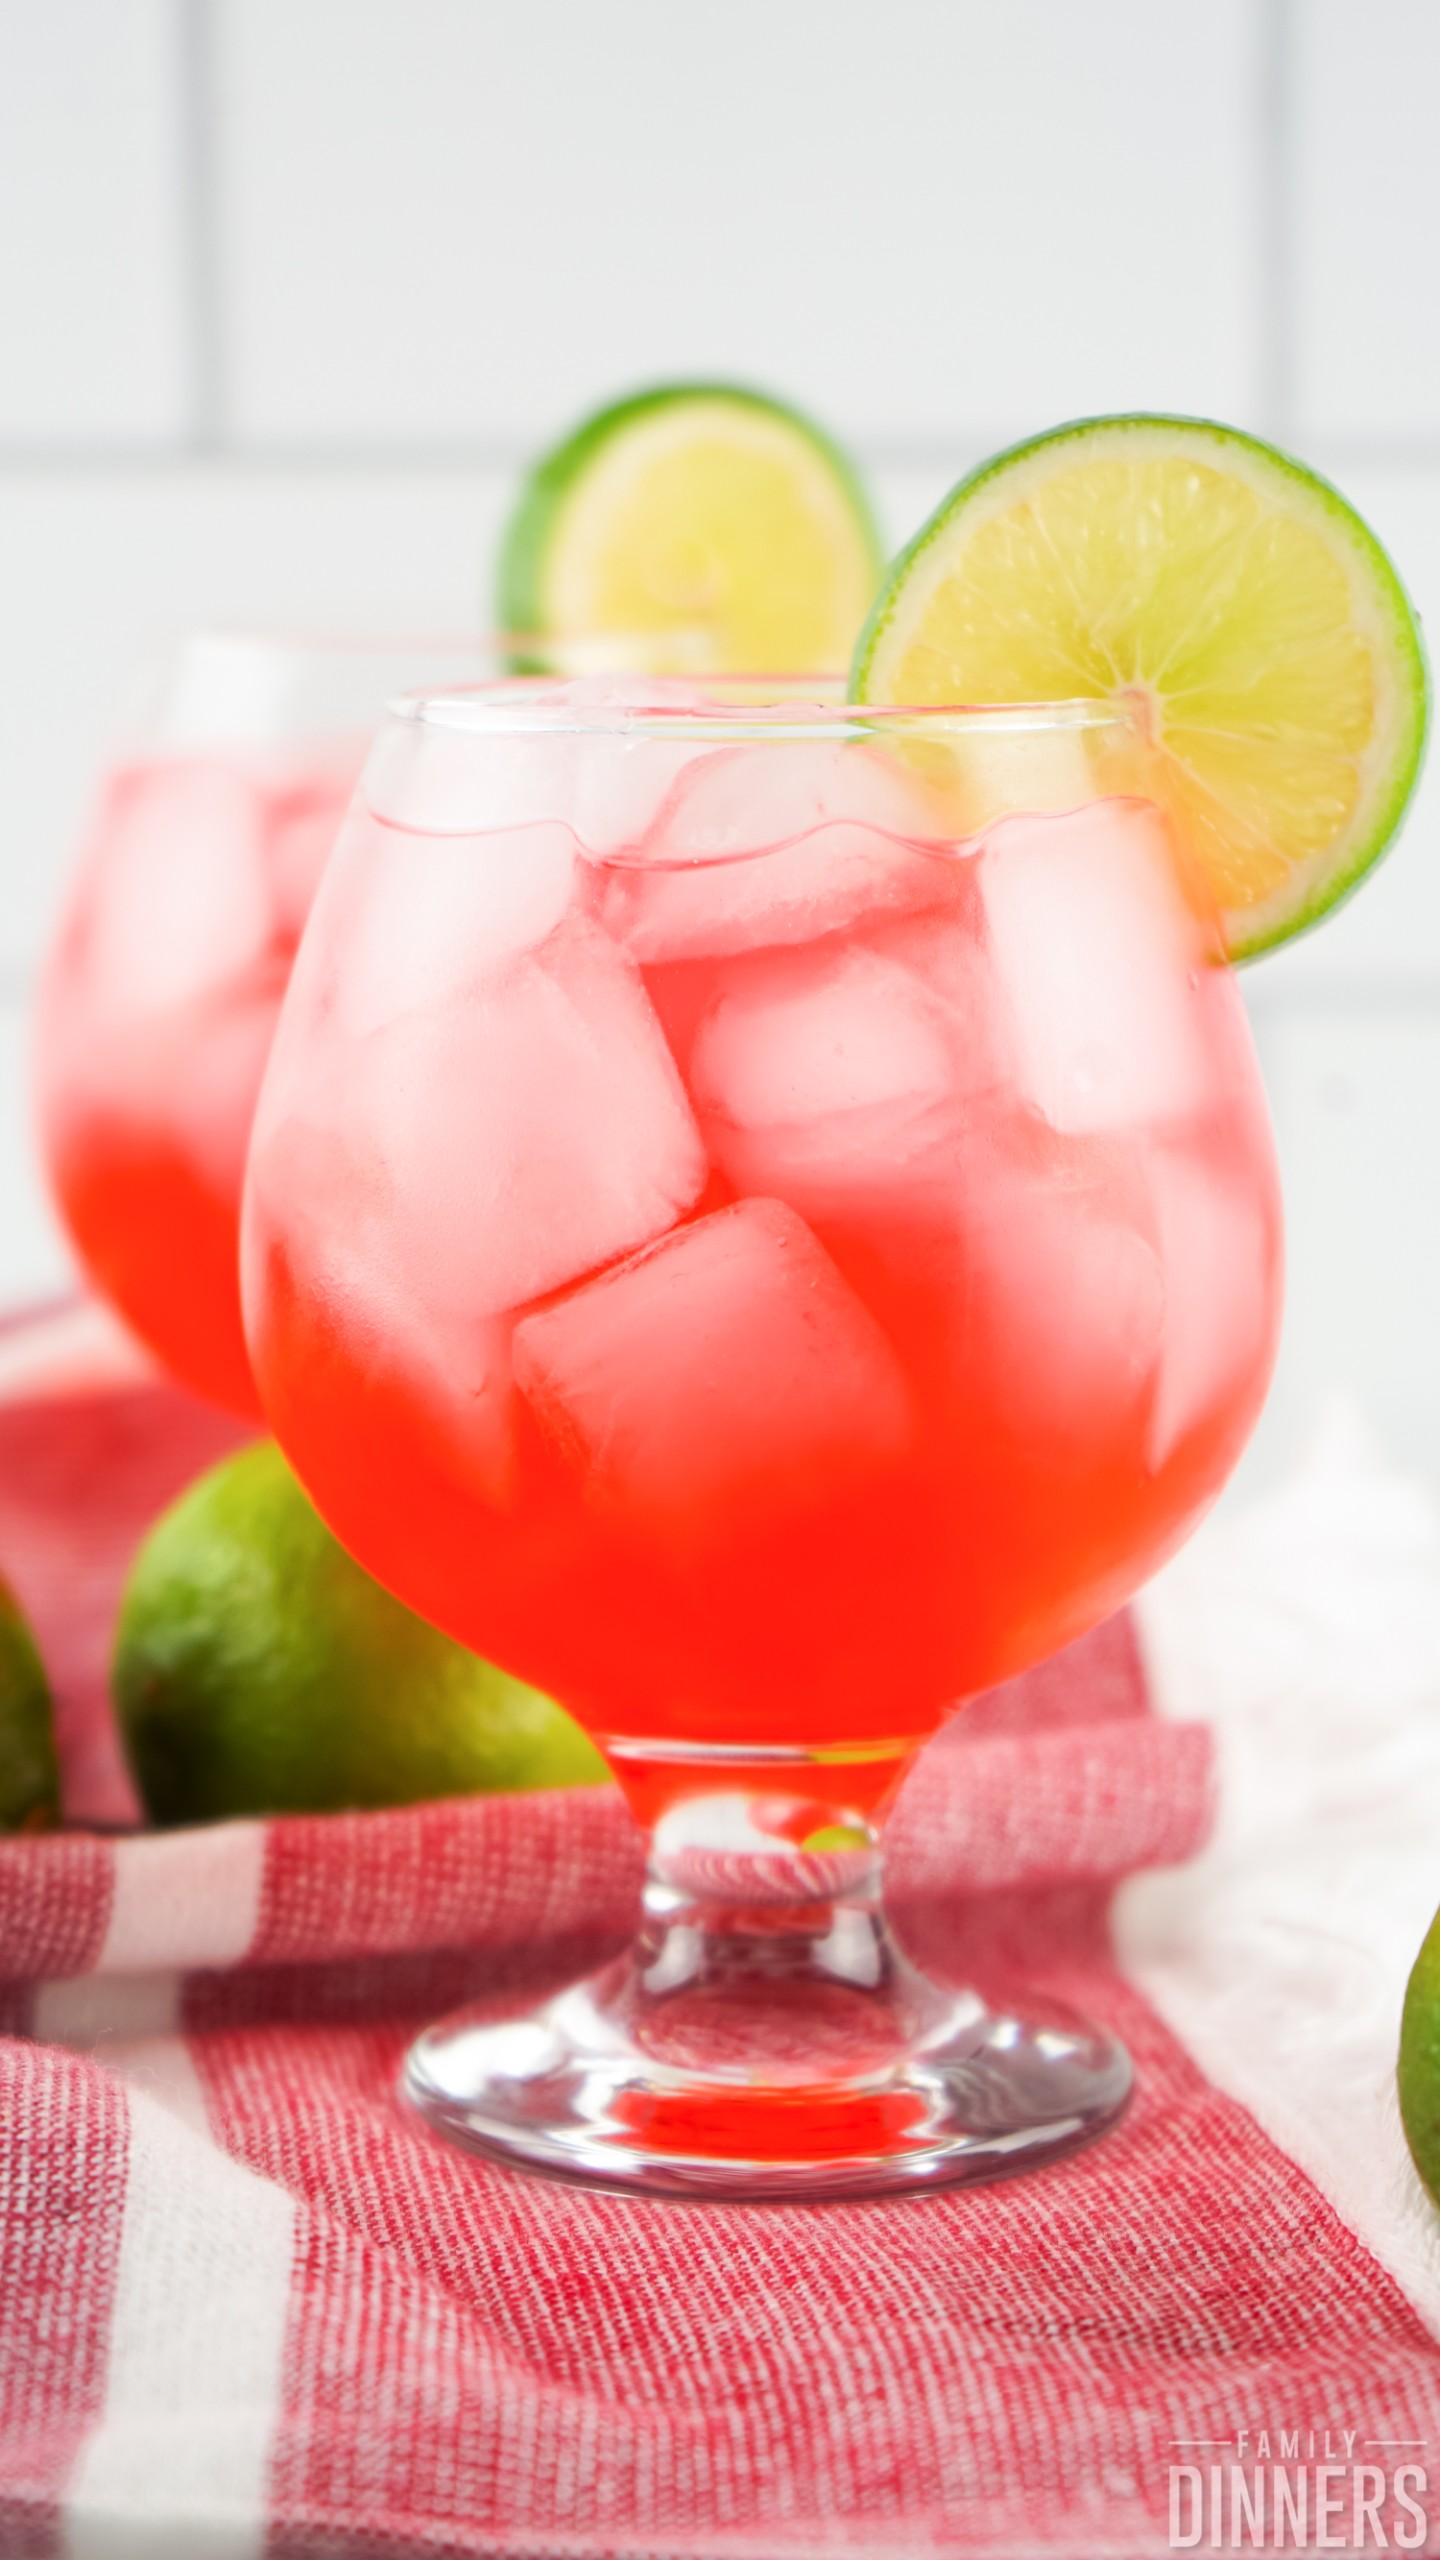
(289, 288)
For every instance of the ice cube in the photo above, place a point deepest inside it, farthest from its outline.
(624, 776)
(452, 1374)
(1220, 1255)
(418, 919)
(821, 1033)
(455, 1374)
(763, 845)
(531, 1130)
(753, 798)
(1096, 950)
(1063, 1304)
(988, 770)
(821, 1069)
(208, 1064)
(729, 1372)
(179, 898)
(301, 825)
(472, 774)
(530, 754)
(178, 1082)
(346, 1249)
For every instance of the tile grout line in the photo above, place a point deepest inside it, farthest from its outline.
(1275, 212)
(364, 452)
(257, 457)
(203, 261)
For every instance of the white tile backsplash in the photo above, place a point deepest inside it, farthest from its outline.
(93, 275)
(943, 218)
(1356, 1097)
(1366, 217)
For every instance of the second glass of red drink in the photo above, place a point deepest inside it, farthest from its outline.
(161, 993)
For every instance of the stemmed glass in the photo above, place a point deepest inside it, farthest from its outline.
(761, 1218)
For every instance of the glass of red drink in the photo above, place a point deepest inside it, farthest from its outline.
(164, 982)
(762, 1219)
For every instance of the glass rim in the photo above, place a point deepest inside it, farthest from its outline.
(534, 706)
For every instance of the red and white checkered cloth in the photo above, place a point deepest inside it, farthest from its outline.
(247, 2305)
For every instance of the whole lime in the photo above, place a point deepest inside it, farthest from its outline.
(29, 1769)
(259, 1670)
(1417, 2074)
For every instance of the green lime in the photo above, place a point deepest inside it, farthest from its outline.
(29, 1768)
(1232, 597)
(259, 1670)
(708, 525)
(1418, 2071)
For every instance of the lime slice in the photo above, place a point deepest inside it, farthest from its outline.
(709, 526)
(1232, 597)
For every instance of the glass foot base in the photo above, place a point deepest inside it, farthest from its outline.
(733, 2055)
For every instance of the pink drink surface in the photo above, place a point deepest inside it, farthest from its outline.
(156, 1018)
(763, 1296)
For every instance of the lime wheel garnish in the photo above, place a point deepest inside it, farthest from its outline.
(1230, 599)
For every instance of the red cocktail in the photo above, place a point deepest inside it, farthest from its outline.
(763, 1220)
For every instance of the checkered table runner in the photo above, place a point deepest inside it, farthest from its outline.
(247, 2306)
